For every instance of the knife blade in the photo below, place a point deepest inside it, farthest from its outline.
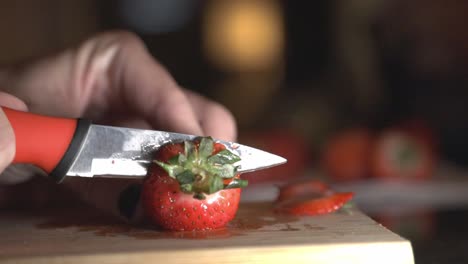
(77, 148)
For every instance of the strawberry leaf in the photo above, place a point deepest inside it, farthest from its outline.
(216, 184)
(190, 151)
(237, 183)
(206, 147)
(175, 160)
(181, 159)
(224, 157)
(172, 170)
(185, 177)
(223, 171)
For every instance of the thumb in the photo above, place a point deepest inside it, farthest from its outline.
(7, 142)
(7, 136)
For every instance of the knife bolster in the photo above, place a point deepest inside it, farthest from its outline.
(60, 171)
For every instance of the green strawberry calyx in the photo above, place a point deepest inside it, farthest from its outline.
(200, 172)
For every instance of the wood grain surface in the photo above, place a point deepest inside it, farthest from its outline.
(255, 236)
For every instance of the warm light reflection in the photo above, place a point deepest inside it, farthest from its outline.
(244, 35)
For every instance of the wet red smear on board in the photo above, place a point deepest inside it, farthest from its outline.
(107, 226)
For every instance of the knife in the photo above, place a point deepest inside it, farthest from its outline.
(78, 148)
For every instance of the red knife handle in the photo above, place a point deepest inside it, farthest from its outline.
(50, 143)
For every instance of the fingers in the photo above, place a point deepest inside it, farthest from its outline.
(147, 89)
(7, 136)
(215, 120)
(11, 101)
(174, 113)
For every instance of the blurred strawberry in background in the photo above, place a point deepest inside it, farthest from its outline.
(346, 154)
(283, 142)
(405, 152)
(423, 132)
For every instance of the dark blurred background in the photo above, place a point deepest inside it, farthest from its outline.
(294, 73)
(310, 66)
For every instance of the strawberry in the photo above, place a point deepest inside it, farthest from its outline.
(346, 154)
(192, 186)
(316, 206)
(421, 130)
(402, 155)
(310, 197)
(307, 187)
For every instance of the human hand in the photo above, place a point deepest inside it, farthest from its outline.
(7, 137)
(112, 79)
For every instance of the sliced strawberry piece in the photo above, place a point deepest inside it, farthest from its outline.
(308, 187)
(309, 197)
(315, 206)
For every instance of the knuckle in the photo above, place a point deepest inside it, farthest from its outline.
(127, 39)
(119, 36)
(173, 99)
(124, 41)
(133, 48)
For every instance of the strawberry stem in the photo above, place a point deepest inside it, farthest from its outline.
(201, 172)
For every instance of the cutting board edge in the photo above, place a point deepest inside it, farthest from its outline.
(382, 252)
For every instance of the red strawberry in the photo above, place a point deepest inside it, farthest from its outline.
(422, 131)
(192, 186)
(300, 188)
(316, 206)
(401, 155)
(309, 197)
(346, 154)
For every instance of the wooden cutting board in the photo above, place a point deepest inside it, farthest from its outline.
(255, 236)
